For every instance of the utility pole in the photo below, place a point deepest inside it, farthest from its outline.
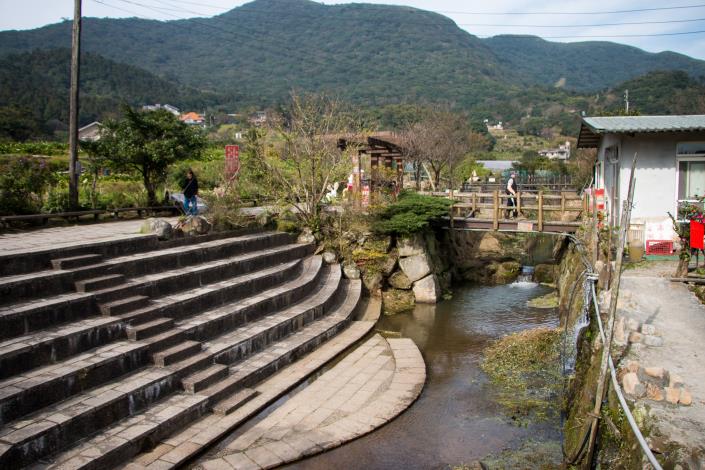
(626, 101)
(73, 105)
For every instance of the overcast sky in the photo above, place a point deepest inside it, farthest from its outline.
(660, 26)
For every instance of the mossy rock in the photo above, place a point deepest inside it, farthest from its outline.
(507, 272)
(545, 273)
(549, 300)
(397, 301)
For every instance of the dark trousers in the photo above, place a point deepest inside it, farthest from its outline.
(512, 202)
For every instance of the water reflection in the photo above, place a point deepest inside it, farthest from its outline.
(454, 420)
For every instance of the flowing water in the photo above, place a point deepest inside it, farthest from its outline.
(455, 420)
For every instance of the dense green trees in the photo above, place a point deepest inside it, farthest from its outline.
(148, 143)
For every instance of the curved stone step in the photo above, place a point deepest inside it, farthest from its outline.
(50, 345)
(40, 387)
(156, 423)
(14, 289)
(175, 280)
(116, 399)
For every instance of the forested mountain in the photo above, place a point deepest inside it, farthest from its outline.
(659, 93)
(37, 84)
(378, 56)
(584, 66)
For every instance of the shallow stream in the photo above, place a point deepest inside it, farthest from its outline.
(455, 421)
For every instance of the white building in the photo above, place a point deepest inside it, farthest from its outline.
(153, 107)
(561, 153)
(670, 161)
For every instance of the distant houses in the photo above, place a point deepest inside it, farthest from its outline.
(193, 119)
(90, 132)
(153, 107)
(258, 118)
(560, 153)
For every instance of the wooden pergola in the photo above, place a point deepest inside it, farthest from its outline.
(382, 150)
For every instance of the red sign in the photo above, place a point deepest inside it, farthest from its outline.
(232, 160)
(697, 232)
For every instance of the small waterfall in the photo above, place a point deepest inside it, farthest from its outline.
(570, 341)
(525, 278)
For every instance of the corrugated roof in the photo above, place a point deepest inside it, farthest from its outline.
(591, 127)
(646, 123)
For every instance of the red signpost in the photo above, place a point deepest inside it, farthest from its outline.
(232, 161)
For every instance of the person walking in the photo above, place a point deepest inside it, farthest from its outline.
(512, 192)
(190, 188)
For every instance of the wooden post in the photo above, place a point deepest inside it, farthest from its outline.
(595, 234)
(495, 210)
(474, 203)
(614, 293)
(518, 203)
(562, 202)
(73, 105)
(540, 204)
(452, 211)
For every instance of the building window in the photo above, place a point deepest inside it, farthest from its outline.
(690, 158)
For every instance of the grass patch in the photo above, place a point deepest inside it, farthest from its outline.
(524, 369)
(549, 300)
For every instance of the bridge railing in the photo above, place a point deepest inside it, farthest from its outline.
(470, 204)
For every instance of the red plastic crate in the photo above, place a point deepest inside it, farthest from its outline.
(659, 247)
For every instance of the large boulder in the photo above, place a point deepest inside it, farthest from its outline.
(160, 227)
(545, 273)
(330, 257)
(411, 246)
(507, 272)
(196, 225)
(399, 280)
(397, 301)
(372, 281)
(415, 267)
(351, 271)
(306, 236)
(427, 290)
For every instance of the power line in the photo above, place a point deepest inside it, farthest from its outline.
(608, 12)
(626, 23)
(248, 10)
(606, 35)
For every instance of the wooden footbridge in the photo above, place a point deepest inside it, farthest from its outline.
(540, 211)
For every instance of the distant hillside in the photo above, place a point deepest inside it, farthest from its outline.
(260, 51)
(584, 66)
(381, 57)
(38, 83)
(659, 93)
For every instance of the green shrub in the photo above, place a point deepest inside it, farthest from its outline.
(57, 199)
(410, 214)
(23, 182)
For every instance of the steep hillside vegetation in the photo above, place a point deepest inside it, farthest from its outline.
(584, 66)
(660, 93)
(38, 84)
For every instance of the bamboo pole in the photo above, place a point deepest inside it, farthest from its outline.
(495, 211)
(614, 294)
(540, 203)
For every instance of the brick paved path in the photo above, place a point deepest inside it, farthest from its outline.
(21, 241)
(368, 388)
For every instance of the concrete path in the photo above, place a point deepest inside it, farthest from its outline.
(29, 241)
(646, 295)
(368, 388)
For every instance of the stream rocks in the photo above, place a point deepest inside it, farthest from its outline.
(427, 290)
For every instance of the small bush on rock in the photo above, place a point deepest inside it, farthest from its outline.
(410, 214)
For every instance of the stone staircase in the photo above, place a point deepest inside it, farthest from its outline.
(106, 350)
